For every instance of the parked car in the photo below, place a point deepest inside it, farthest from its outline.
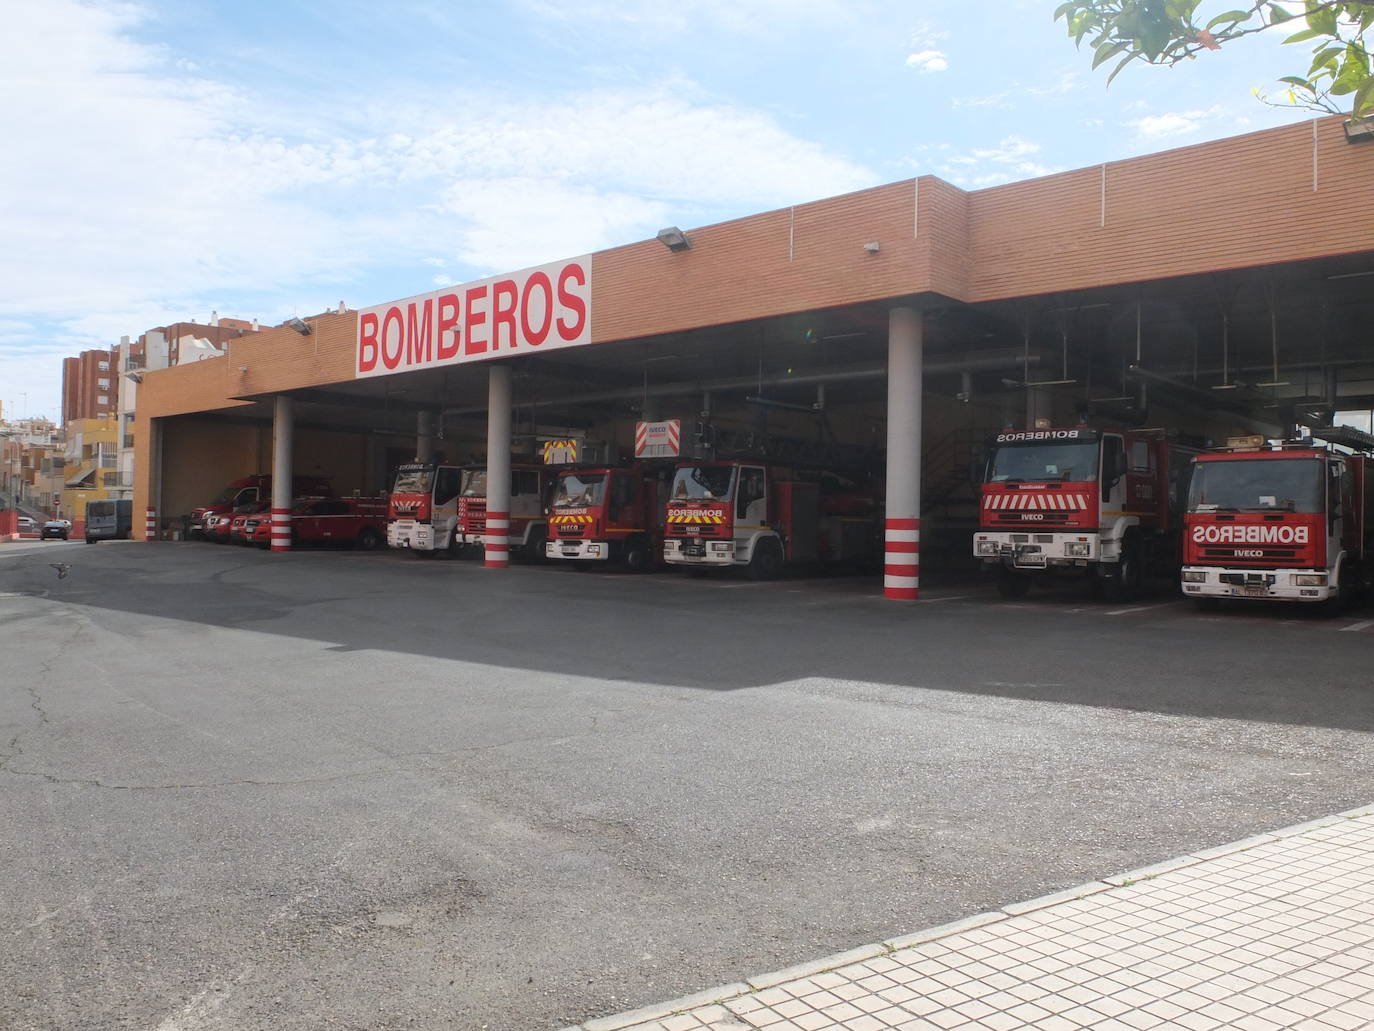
(238, 532)
(26, 525)
(55, 529)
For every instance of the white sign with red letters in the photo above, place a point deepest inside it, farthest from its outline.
(538, 309)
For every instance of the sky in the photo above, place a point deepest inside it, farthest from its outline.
(169, 159)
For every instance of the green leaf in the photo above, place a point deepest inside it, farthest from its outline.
(1234, 17)
(1303, 36)
(1323, 19)
(1115, 71)
(1155, 40)
(1294, 80)
(1363, 103)
(1107, 52)
(1278, 14)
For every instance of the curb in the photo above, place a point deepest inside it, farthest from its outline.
(759, 982)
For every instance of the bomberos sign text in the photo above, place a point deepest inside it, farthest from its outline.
(539, 309)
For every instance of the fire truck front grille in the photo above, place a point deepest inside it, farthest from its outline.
(1252, 553)
(574, 530)
(1022, 518)
(697, 530)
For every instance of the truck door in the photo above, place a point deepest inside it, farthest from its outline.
(1142, 479)
(447, 480)
(622, 510)
(1113, 477)
(751, 503)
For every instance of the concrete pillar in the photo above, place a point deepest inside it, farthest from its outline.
(283, 475)
(902, 558)
(424, 436)
(1039, 405)
(154, 479)
(498, 467)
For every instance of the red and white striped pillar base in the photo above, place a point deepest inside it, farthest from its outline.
(281, 529)
(497, 538)
(150, 526)
(902, 560)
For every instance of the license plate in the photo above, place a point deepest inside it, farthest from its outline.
(1030, 560)
(1254, 592)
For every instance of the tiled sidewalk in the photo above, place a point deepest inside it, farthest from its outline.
(1276, 932)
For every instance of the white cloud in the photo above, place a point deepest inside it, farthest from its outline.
(926, 61)
(1011, 160)
(753, 17)
(136, 191)
(990, 100)
(1173, 123)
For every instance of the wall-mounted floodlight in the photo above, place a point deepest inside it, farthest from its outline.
(674, 239)
(873, 247)
(1359, 130)
(137, 377)
(299, 325)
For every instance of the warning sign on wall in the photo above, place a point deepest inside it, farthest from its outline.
(658, 439)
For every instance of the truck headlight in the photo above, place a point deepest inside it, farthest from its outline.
(720, 545)
(1309, 579)
(1194, 576)
(1078, 549)
(986, 548)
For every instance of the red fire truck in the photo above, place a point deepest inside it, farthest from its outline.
(358, 521)
(1288, 521)
(1080, 501)
(422, 509)
(608, 514)
(761, 516)
(529, 490)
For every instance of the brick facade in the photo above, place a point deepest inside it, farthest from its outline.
(1281, 195)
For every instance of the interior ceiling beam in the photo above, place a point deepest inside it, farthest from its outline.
(872, 370)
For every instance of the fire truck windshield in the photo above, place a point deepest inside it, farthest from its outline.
(475, 483)
(1257, 485)
(578, 489)
(413, 481)
(704, 483)
(1042, 461)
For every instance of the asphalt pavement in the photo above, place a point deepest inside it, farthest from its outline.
(333, 789)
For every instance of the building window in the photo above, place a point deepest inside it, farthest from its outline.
(1360, 420)
(104, 366)
(102, 399)
(103, 384)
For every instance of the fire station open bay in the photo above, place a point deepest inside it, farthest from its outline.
(364, 790)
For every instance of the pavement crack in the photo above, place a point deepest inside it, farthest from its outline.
(13, 750)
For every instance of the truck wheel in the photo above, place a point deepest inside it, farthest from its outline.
(1125, 582)
(1344, 596)
(635, 558)
(534, 550)
(766, 562)
(369, 538)
(1012, 585)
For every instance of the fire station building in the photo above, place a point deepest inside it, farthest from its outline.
(1223, 288)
